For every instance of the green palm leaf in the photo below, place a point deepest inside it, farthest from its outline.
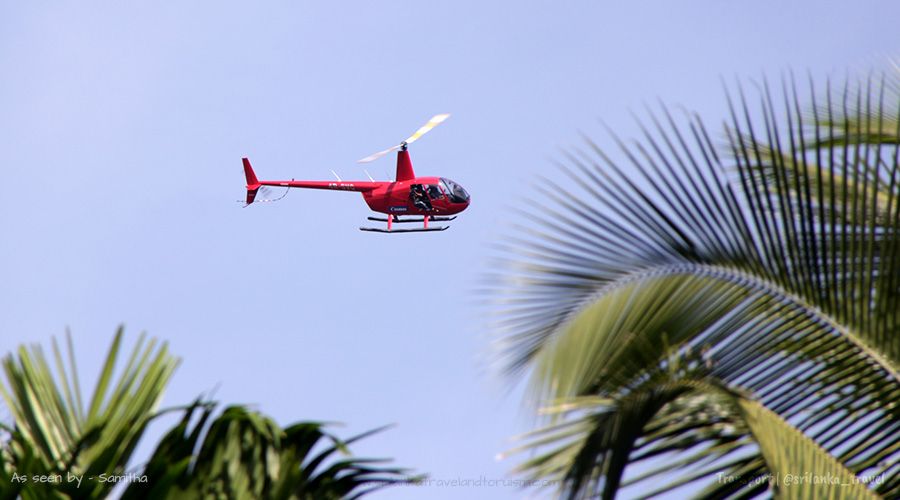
(243, 454)
(775, 263)
(55, 434)
(599, 441)
(800, 469)
(240, 454)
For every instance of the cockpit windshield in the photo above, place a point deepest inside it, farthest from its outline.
(455, 191)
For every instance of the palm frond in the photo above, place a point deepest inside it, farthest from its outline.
(799, 468)
(587, 453)
(55, 434)
(779, 261)
(243, 454)
(859, 120)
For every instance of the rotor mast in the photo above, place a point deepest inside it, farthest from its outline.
(404, 164)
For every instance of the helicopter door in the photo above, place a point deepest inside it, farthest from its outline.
(435, 195)
(419, 199)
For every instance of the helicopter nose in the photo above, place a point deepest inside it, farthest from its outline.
(461, 206)
(465, 203)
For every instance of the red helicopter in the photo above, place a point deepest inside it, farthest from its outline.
(416, 199)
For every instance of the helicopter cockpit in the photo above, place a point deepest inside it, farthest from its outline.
(456, 192)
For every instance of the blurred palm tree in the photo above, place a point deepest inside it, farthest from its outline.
(724, 315)
(58, 449)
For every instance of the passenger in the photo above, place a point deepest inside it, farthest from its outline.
(417, 194)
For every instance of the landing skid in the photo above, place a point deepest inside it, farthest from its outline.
(431, 218)
(391, 219)
(420, 230)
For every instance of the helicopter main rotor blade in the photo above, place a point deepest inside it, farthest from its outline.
(378, 155)
(433, 122)
(424, 129)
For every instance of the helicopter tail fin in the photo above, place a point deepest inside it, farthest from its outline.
(252, 182)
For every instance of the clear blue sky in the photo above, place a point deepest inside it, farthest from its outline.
(122, 126)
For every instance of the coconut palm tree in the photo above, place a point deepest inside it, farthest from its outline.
(58, 449)
(244, 454)
(718, 313)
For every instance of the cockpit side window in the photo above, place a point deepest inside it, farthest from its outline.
(434, 192)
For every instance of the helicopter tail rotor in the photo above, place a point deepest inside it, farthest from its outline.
(424, 129)
(256, 192)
